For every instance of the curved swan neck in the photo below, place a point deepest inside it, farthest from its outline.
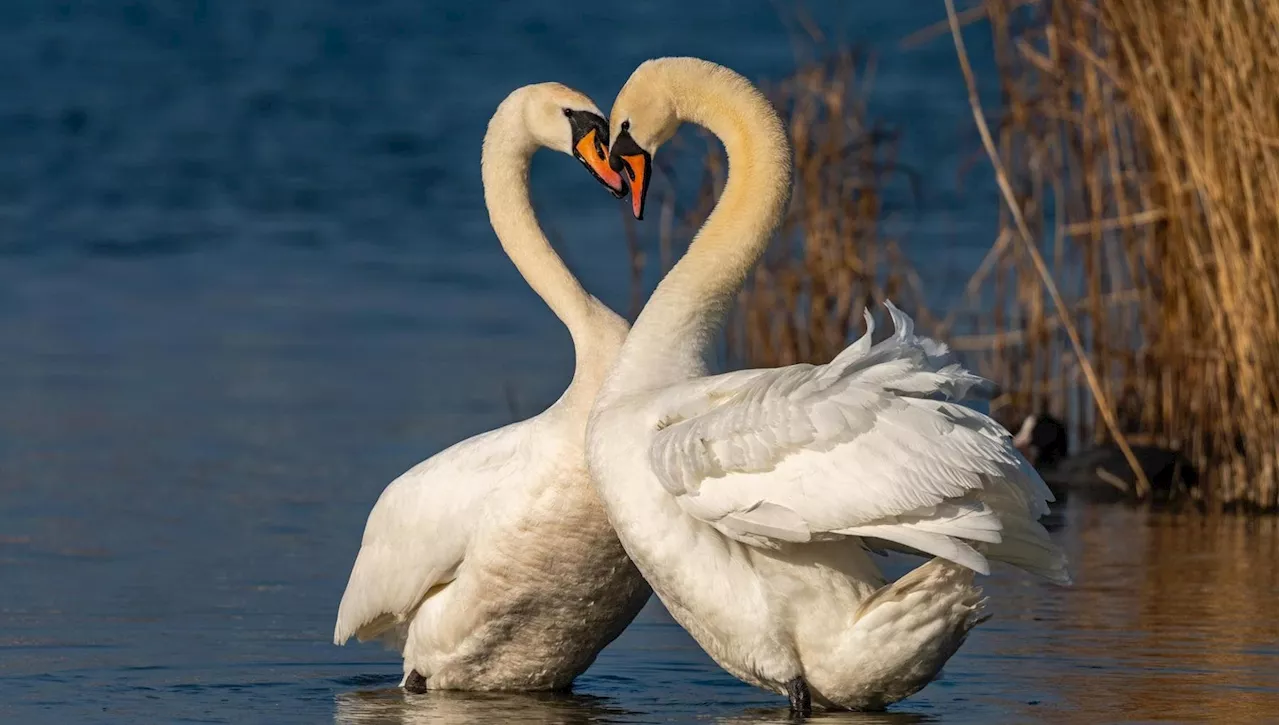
(504, 170)
(672, 334)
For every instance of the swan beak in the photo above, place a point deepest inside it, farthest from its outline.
(626, 155)
(590, 135)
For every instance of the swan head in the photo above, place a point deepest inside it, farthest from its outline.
(566, 120)
(643, 118)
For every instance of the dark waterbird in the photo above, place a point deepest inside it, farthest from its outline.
(1100, 472)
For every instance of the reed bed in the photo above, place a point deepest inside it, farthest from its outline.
(1139, 141)
(831, 258)
(1132, 287)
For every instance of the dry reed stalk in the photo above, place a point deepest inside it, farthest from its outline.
(1139, 138)
(829, 261)
(1042, 269)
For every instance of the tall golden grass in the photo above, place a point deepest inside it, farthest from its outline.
(1138, 141)
(831, 258)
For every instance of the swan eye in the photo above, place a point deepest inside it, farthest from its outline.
(567, 112)
(626, 125)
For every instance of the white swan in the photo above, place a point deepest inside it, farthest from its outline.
(492, 565)
(746, 498)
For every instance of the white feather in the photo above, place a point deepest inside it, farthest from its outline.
(872, 442)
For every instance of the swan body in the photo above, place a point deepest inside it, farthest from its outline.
(492, 565)
(750, 500)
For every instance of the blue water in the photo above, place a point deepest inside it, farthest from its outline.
(246, 279)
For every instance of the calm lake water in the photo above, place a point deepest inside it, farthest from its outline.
(246, 279)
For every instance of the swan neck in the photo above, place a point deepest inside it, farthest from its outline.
(676, 328)
(504, 164)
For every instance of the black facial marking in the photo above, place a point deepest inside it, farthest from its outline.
(582, 123)
(624, 145)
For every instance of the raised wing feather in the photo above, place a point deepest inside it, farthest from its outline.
(872, 444)
(417, 535)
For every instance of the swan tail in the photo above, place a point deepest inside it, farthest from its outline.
(905, 632)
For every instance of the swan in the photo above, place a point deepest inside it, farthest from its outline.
(492, 565)
(748, 500)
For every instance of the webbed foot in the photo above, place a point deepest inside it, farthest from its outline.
(415, 683)
(798, 694)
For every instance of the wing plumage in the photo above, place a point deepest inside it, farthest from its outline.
(417, 535)
(873, 444)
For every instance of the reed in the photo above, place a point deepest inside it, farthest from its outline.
(830, 259)
(1139, 138)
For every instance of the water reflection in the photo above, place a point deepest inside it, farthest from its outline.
(395, 707)
(782, 717)
(1174, 615)
(392, 706)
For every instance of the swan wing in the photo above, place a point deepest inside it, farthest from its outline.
(419, 531)
(871, 445)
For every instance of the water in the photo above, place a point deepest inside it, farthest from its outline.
(246, 279)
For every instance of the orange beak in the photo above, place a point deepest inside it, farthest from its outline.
(637, 166)
(590, 151)
(627, 155)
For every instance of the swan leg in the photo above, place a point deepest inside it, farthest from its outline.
(798, 694)
(415, 683)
